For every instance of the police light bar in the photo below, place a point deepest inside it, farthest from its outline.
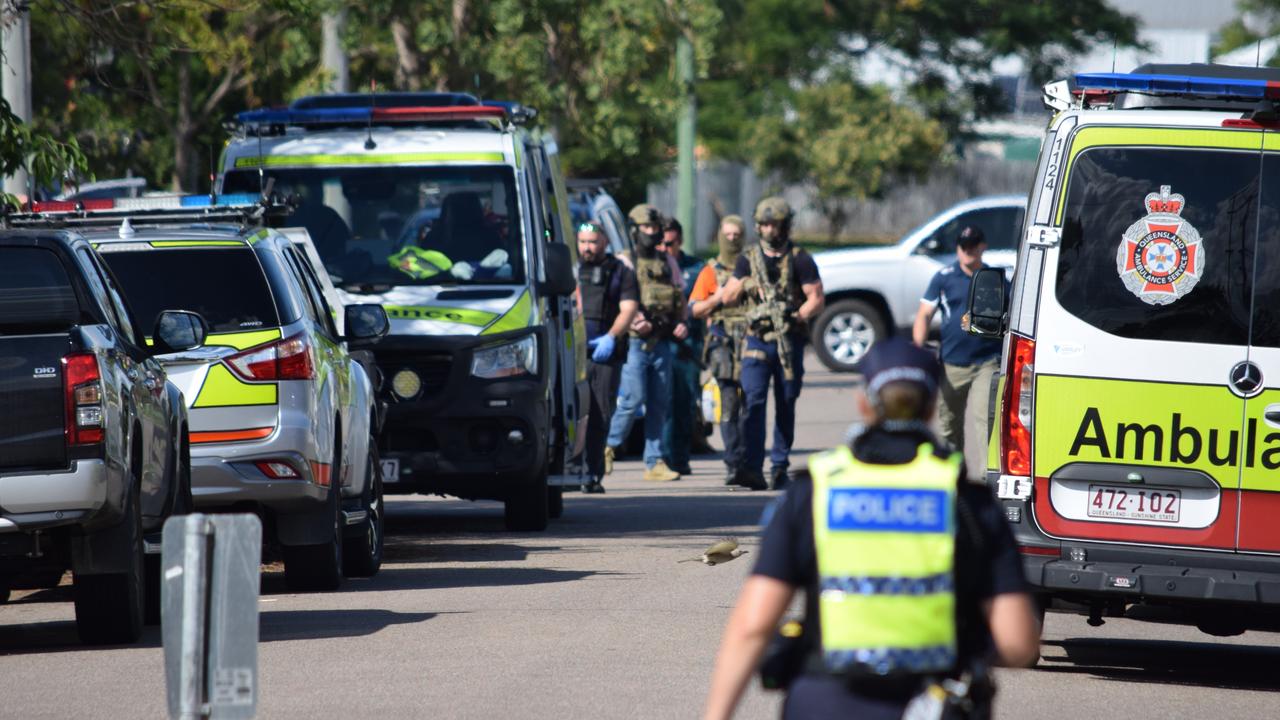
(371, 115)
(1241, 88)
(143, 204)
(244, 209)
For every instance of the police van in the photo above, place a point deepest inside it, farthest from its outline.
(1136, 443)
(454, 217)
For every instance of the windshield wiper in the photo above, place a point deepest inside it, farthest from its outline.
(368, 288)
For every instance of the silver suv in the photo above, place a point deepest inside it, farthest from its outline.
(281, 419)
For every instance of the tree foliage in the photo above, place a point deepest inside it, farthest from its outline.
(1258, 20)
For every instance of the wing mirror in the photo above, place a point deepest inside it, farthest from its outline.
(366, 323)
(178, 330)
(930, 246)
(559, 271)
(987, 314)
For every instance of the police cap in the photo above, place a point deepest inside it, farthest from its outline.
(970, 236)
(897, 360)
(773, 209)
(645, 214)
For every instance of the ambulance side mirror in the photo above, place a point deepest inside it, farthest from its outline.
(987, 315)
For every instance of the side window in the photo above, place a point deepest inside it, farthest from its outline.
(998, 225)
(327, 320)
(309, 306)
(116, 308)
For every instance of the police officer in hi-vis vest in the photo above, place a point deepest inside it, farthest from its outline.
(609, 303)
(646, 376)
(911, 576)
(726, 332)
(780, 285)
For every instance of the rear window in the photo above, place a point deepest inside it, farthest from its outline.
(35, 291)
(226, 286)
(1119, 273)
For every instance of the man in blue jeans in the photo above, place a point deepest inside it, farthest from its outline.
(777, 280)
(685, 388)
(646, 376)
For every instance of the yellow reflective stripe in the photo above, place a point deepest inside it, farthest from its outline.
(243, 340)
(993, 432)
(222, 389)
(462, 316)
(195, 243)
(366, 159)
(514, 319)
(1092, 136)
(260, 235)
(887, 621)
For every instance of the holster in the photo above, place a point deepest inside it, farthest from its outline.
(720, 358)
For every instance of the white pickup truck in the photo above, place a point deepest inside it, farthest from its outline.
(873, 291)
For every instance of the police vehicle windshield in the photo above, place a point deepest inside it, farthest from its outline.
(376, 226)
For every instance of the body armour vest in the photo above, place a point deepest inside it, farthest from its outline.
(885, 537)
(785, 291)
(732, 318)
(595, 283)
(659, 297)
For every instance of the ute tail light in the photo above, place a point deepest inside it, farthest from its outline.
(278, 469)
(1016, 420)
(82, 386)
(288, 359)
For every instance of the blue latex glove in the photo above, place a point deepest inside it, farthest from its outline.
(602, 348)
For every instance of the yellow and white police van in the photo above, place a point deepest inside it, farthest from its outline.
(1136, 439)
(454, 217)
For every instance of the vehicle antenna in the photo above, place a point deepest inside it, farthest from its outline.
(1114, 42)
(262, 164)
(1257, 60)
(369, 144)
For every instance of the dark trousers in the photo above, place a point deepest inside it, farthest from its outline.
(756, 375)
(677, 432)
(603, 379)
(731, 423)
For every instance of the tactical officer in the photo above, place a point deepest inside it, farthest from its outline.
(678, 431)
(610, 301)
(887, 615)
(782, 289)
(726, 331)
(646, 375)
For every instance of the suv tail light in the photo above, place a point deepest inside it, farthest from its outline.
(1016, 421)
(82, 386)
(288, 359)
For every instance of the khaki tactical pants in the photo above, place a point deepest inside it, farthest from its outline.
(963, 412)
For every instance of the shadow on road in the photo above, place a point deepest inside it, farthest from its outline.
(412, 578)
(276, 625)
(1220, 665)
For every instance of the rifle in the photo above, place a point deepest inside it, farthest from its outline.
(770, 315)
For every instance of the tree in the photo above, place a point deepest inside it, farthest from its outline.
(1258, 20)
(848, 141)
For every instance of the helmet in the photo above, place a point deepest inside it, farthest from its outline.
(645, 214)
(773, 209)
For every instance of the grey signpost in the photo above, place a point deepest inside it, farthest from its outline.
(209, 615)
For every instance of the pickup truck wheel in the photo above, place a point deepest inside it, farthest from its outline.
(527, 507)
(319, 567)
(555, 502)
(845, 331)
(110, 607)
(362, 550)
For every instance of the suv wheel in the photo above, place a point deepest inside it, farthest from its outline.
(362, 548)
(110, 607)
(527, 507)
(319, 567)
(845, 331)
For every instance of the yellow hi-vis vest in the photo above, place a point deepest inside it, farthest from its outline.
(885, 539)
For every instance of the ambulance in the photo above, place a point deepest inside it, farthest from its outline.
(453, 216)
(1136, 437)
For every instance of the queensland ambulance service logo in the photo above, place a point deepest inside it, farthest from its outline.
(1161, 257)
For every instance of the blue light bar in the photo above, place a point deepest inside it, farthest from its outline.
(306, 117)
(1247, 89)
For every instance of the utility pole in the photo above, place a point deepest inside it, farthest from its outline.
(332, 57)
(686, 208)
(16, 72)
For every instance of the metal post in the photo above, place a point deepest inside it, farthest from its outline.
(686, 210)
(16, 73)
(194, 608)
(332, 57)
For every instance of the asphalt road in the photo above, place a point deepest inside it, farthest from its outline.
(593, 619)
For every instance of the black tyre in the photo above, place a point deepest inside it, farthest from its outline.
(845, 331)
(319, 567)
(110, 607)
(362, 548)
(555, 502)
(527, 508)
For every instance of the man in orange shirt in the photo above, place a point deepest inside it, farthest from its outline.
(726, 328)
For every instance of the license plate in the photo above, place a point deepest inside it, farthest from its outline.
(1134, 503)
(390, 471)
